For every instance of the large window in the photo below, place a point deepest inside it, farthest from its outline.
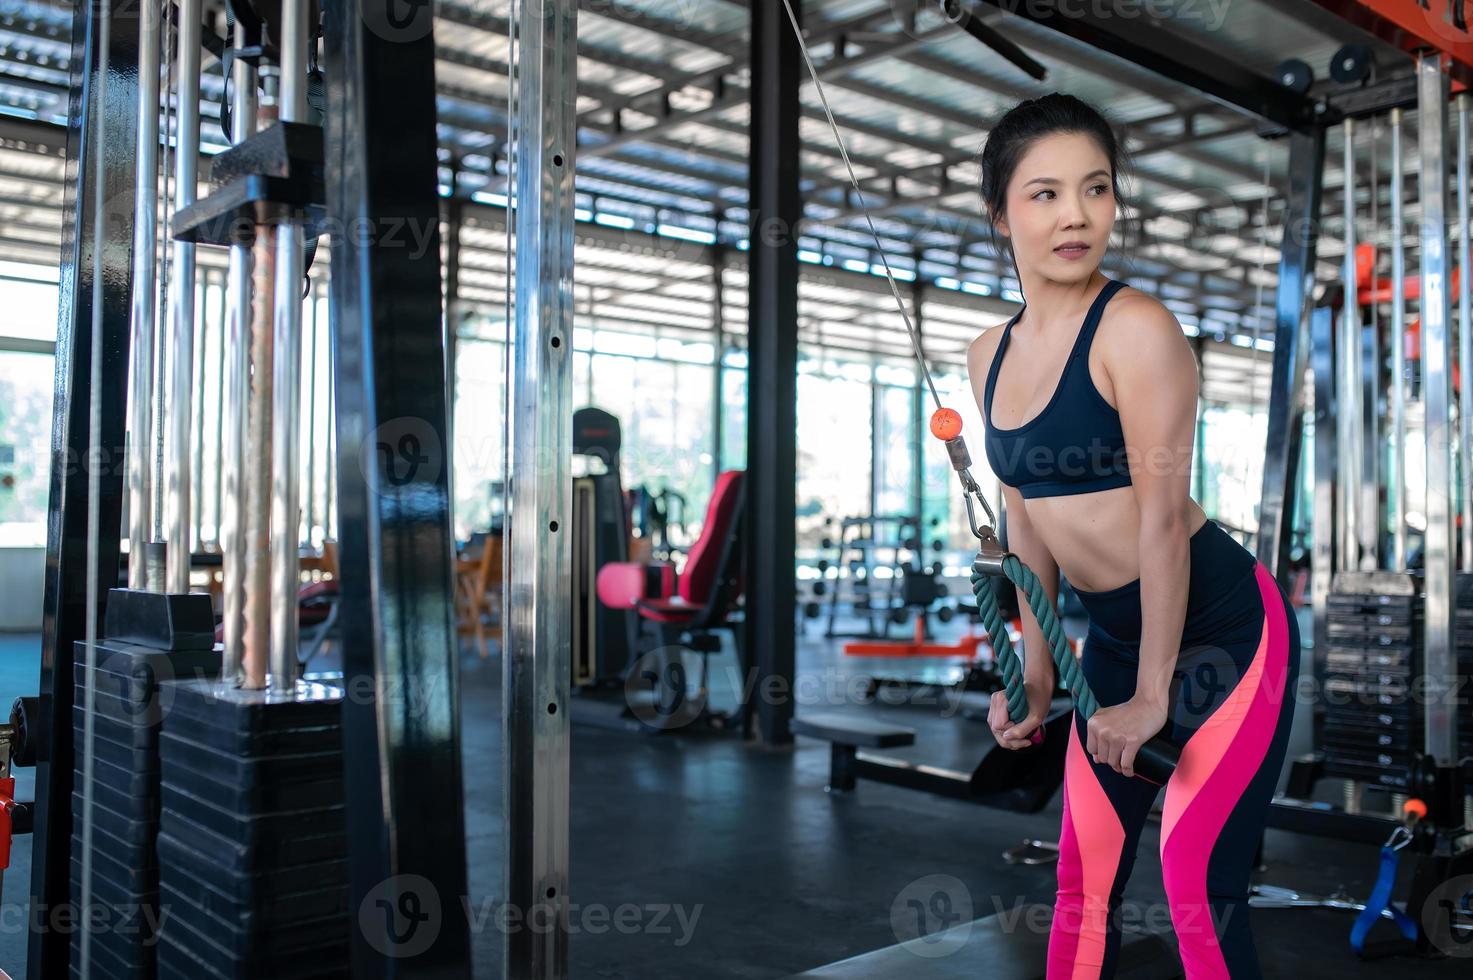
(27, 369)
(834, 448)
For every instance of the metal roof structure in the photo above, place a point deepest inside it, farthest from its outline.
(662, 163)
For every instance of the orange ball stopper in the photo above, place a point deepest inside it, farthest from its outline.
(946, 424)
(1416, 807)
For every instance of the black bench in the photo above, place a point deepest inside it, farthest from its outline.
(846, 735)
(1022, 781)
(1011, 945)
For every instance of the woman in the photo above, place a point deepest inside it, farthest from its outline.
(1088, 397)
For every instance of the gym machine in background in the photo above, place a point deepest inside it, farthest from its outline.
(1393, 630)
(172, 770)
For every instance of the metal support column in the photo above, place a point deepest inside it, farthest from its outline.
(1285, 417)
(95, 294)
(537, 664)
(1350, 436)
(1463, 472)
(775, 208)
(718, 330)
(1440, 657)
(401, 720)
(1396, 337)
(916, 444)
(1324, 559)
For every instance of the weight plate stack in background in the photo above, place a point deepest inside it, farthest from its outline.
(1372, 721)
(129, 699)
(253, 875)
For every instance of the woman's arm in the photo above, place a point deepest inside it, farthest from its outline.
(1023, 541)
(1156, 394)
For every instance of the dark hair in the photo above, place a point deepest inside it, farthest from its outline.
(1025, 124)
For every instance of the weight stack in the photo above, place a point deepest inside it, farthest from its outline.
(252, 847)
(128, 706)
(1372, 721)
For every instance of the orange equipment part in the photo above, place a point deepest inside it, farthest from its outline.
(946, 424)
(1377, 289)
(1415, 807)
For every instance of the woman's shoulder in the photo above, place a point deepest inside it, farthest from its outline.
(1133, 316)
(984, 346)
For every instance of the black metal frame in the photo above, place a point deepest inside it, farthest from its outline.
(406, 825)
(772, 374)
(1217, 76)
(1297, 250)
(65, 602)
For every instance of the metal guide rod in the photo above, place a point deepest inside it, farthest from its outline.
(145, 272)
(236, 381)
(1398, 487)
(255, 503)
(1439, 656)
(1368, 391)
(537, 665)
(1464, 472)
(181, 305)
(286, 410)
(1348, 416)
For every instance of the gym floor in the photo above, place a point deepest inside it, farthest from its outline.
(694, 856)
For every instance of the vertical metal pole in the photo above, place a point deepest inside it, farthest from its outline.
(1324, 542)
(1297, 248)
(95, 296)
(718, 326)
(197, 420)
(537, 670)
(237, 383)
(1463, 473)
(145, 276)
(772, 379)
(916, 444)
(1368, 424)
(310, 509)
(1397, 491)
(286, 390)
(1440, 661)
(1349, 375)
(222, 313)
(401, 731)
(180, 414)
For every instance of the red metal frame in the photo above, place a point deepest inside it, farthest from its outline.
(1409, 26)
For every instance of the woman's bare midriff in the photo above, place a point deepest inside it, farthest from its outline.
(1095, 537)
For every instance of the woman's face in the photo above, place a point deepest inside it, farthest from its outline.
(1060, 208)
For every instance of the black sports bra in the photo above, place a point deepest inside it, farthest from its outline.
(1075, 445)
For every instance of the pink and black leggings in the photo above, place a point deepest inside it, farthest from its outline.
(1232, 696)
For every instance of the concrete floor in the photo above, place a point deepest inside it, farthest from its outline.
(696, 856)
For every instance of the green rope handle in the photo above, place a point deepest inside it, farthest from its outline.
(1011, 663)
